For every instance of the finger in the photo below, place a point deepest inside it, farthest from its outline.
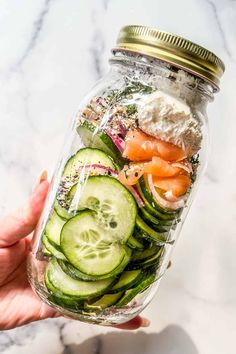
(135, 323)
(23, 221)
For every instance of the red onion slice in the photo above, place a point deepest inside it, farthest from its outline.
(118, 141)
(174, 205)
(136, 195)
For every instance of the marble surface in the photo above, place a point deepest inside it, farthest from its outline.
(52, 52)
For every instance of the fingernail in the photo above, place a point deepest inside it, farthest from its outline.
(42, 177)
(145, 322)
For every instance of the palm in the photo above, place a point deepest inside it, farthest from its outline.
(19, 304)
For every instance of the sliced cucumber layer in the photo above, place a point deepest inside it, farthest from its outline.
(74, 171)
(52, 249)
(63, 283)
(142, 256)
(159, 225)
(54, 227)
(94, 138)
(127, 280)
(148, 196)
(151, 261)
(149, 233)
(134, 243)
(87, 156)
(104, 302)
(77, 274)
(103, 249)
(130, 294)
(89, 247)
(114, 205)
(152, 208)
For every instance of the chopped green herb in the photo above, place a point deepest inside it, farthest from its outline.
(194, 160)
(133, 87)
(131, 109)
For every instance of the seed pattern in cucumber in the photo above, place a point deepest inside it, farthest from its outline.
(89, 247)
(113, 204)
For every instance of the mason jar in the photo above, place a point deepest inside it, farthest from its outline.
(125, 181)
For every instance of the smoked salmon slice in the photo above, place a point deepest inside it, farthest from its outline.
(157, 167)
(140, 147)
(178, 185)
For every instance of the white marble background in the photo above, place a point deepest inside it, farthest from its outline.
(52, 51)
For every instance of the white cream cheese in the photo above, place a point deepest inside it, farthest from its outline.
(170, 119)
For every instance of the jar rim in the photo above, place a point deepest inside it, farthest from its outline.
(172, 49)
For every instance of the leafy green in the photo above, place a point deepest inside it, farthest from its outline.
(131, 88)
(131, 109)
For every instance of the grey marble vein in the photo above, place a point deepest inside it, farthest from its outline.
(172, 339)
(105, 4)
(66, 348)
(18, 337)
(61, 325)
(97, 46)
(38, 25)
(214, 8)
(5, 341)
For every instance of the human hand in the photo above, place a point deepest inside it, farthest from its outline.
(19, 305)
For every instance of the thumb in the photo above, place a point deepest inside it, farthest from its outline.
(22, 222)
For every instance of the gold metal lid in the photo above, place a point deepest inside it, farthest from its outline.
(172, 49)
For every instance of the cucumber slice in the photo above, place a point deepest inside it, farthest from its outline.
(130, 294)
(46, 252)
(68, 304)
(63, 283)
(152, 261)
(134, 243)
(61, 299)
(152, 221)
(77, 274)
(127, 280)
(72, 173)
(148, 196)
(63, 212)
(151, 208)
(141, 256)
(92, 137)
(114, 205)
(52, 248)
(104, 302)
(54, 227)
(148, 232)
(87, 156)
(88, 247)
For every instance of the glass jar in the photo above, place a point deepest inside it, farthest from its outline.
(125, 181)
